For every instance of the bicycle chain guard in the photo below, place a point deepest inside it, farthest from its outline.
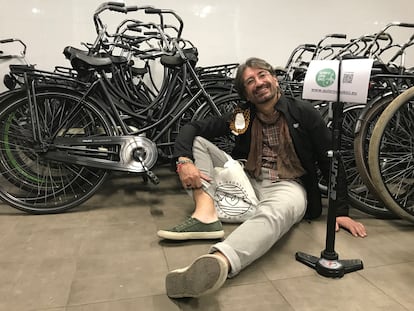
(137, 154)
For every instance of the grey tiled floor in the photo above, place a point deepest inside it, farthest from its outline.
(105, 255)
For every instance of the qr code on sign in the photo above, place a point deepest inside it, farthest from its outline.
(348, 77)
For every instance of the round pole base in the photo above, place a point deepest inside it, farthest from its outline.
(332, 268)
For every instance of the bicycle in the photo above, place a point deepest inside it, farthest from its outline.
(61, 136)
(387, 79)
(391, 155)
(12, 59)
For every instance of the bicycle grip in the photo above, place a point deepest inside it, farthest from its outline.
(153, 11)
(6, 40)
(132, 8)
(309, 47)
(112, 3)
(134, 27)
(117, 9)
(151, 33)
(338, 35)
(406, 25)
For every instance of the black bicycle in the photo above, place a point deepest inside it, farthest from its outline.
(61, 134)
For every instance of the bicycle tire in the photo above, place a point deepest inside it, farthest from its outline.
(365, 125)
(390, 157)
(356, 188)
(351, 112)
(28, 181)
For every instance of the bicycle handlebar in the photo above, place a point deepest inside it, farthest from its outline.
(162, 11)
(406, 25)
(337, 35)
(11, 40)
(308, 46)
(153, 31)
(384, 37)
(369, 52)
(319, 45)
(6, 40)
(110, 6)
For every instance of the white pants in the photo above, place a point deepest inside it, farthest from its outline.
(281, 205)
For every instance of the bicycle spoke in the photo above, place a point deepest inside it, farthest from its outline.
(31, 182)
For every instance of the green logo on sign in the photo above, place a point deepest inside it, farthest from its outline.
(325, 77)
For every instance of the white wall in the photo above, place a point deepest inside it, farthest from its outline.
(224, 31)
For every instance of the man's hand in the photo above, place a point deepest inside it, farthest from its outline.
(356, 228)
(191, 176)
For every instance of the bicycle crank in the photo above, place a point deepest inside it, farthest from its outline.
(136, 154)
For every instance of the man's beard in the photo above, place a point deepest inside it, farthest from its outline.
(276, 94)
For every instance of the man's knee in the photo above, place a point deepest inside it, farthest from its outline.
(200, 142)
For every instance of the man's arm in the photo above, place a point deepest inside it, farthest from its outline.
(207, 128)
(356, 228)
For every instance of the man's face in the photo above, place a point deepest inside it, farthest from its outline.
(260, 85)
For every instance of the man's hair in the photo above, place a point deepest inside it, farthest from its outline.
(252, 62)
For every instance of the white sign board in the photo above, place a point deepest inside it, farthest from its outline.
(321, 80)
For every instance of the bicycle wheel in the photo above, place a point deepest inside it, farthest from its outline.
(357, 191)
(351, 113)
(28, 180)
(391, 155)
(365, 124)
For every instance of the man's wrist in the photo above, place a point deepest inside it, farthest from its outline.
(182, 161)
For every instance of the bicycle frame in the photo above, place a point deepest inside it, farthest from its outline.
(146, 139)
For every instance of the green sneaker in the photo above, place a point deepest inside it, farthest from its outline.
(193, 229)
(204, 276)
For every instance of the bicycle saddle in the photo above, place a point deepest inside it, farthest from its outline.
(176, 60)
(73, 54)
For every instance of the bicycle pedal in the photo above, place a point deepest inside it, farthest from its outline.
(154, 179)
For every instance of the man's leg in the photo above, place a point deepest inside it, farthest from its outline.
(205, 275)
(204, 223)
(281, 205)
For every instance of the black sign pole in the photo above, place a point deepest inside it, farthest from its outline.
(328, 263)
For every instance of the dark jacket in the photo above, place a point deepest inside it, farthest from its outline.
(310, 136)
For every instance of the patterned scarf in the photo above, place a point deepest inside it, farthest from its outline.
(288, 164)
